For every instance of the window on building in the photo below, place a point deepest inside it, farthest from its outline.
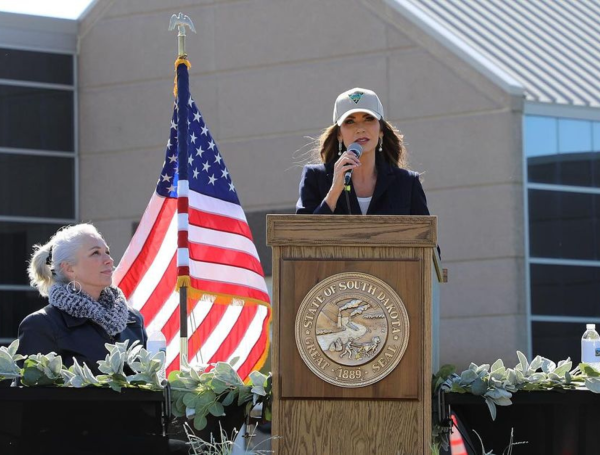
(563, 198)
(37, 169)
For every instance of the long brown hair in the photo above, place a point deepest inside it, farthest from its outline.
(394, 152)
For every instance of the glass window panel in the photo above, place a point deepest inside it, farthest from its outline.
(557, 340)
(574, 136)
(14, 306)
(36, 66)
(578, 169)
(540, 136)
(575, 169)
(37, 186)
(16, 243)
(561, 290)
(564, 225)
(34, 118)
(542, 169)
(596, 136)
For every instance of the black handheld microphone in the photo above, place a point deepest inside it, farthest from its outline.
(355, 148)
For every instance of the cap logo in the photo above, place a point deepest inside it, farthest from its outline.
(356, 96)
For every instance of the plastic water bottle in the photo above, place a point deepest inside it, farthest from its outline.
(156, 343)
(590, 346)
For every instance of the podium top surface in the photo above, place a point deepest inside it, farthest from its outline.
(352, 230)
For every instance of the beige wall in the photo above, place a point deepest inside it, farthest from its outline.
(265, 74)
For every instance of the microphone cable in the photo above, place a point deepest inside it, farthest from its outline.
(347, 192)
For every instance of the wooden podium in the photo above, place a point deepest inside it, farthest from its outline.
(312, 415)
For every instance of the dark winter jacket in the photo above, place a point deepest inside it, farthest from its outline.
(53, 330)
(397, 192)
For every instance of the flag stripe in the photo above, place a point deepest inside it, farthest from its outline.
(219, 223)
(182, 240)
(234, 316)
(171, 326)
(157, 239)
(183, 259)
(182, 220)
(224, 334)
(183, 190)
(172, 362)
(197, 317)
(198, 310)
(221, 239)
(208, 204)
(215, 287)
(161, 293)
(154, 271)
(171, 305)
(140, 237)
(261, 331)
(228, 274)
(210, 324)
(227, 345)
(182, 202)
(215, 255)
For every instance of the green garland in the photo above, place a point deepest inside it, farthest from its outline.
(496, 384)
(195, 394)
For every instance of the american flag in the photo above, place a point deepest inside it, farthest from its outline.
(228, 301)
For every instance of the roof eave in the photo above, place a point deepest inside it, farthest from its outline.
(25, 31)
(561, 110)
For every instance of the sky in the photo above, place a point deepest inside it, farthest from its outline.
(66, 9)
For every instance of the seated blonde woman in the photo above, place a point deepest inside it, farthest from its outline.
(85, 311)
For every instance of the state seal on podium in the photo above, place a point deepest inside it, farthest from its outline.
(352, 329)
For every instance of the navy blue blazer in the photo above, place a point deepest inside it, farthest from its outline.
(397, 192)
(52, 330)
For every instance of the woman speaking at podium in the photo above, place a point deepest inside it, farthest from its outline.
(362, 166)
(74, 270)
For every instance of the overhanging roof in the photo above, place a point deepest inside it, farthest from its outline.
(24, 31)
(552, 48)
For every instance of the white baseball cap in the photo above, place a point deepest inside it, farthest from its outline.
(357, 100)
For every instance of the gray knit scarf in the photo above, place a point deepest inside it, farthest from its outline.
(109, 312)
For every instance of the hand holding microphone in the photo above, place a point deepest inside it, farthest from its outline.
(357, 149)
(343, 174)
